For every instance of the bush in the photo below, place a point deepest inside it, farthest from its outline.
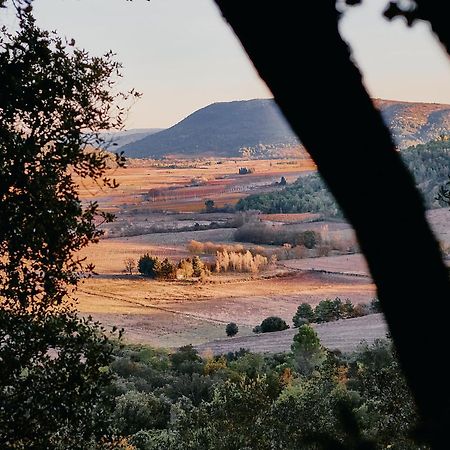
(273, 323)
(303, 315)
(137, 411)
(310, 239)
(231, 329)
(186, 360)
(148, 265)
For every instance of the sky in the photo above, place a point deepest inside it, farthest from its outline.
(182, 56)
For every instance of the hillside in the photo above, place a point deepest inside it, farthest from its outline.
(225, 129)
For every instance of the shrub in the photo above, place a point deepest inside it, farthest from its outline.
(209, 206)
(273, 323)
(137, 411)
(310, 239)
(303, 315)
(148, 265)
(231, 329)
(347, 310)
(186, 360)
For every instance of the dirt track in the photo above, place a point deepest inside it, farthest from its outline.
(344, 335)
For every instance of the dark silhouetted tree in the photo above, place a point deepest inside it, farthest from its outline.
(403, 275)
(54, 101)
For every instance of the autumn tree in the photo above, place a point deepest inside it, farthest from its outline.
(129, 265)
(55, 100)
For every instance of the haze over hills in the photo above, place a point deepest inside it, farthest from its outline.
(225, 129)
(125, 137)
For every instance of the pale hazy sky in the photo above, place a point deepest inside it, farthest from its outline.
(182, 56)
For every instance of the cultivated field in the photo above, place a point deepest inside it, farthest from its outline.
(343, 335)
(178, 312)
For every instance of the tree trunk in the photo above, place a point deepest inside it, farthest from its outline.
(329, 109)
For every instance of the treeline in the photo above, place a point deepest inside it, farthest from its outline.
(153, 267)
(263, 233)
(307, 194)
(325, 311)
(429, 164)
(330, 310)
(227, 261)
(304, 398)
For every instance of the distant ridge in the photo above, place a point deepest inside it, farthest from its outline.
(125, 137)
(224, 129)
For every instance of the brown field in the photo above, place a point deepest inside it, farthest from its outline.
(343, 264)
(174, 313)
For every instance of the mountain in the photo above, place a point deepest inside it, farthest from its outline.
(225, 129)
(122, 138)
(220, 129)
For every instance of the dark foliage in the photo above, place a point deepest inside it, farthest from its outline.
(231, 329)
(149, 266)
(54, 371)
(428, 163)
(263, 233)
(273, 323)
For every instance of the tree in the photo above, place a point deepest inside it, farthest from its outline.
(304, 313)
(209, 205)
(328, 310)
(231, 329)
(273, 323)
(55, 99)
(166, 270)
(307, 351)
(197, 266)
(129, 265)
(283, 181)
(149, 266)
(185, 269)
(444, 194)
(186, 360)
